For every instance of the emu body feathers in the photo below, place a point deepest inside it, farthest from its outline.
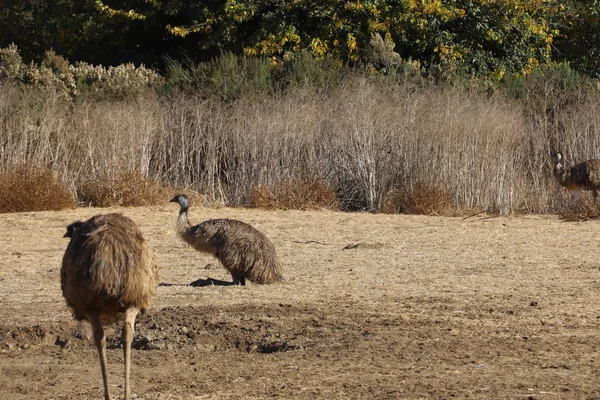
(243, 250)
(107, 267)
(108, 272)
(584, 176)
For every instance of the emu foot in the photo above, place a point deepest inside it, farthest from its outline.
(210, 282)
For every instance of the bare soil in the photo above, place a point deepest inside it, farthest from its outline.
(373, 307)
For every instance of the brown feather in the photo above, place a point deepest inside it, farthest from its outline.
(108, 272)
(107, 268)
(242, 249)
(584, 176)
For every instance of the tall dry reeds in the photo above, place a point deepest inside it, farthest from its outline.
(363, 139)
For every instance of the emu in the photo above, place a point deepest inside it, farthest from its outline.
(584, 176)
(243, 250)
(108, 273)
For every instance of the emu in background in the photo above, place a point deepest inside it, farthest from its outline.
(243, 250)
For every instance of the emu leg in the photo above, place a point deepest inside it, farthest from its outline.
(239, 280)
(100, 341)
(128, 329)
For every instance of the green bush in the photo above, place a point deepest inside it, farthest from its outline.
(10, 63)
(549, 89)
(121, 82)
(305, 70)
(81, 80)
(228, 77)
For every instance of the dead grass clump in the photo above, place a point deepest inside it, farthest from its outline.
(289, 195)
(128, 189)
(27, 188)
(422, 198)
(583, 208)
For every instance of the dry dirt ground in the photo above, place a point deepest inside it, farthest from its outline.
(374, 307)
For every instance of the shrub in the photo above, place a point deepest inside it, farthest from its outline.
(80, 80)
(303, 195)
(10, 62)
(549, 90)
(305, 70)
(128, 189)
(27, 188)
(382, 52)
(228, 77)
(121, 82)
(580, 207)
(59, 65)
(422, 198)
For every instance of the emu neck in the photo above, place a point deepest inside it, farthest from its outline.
(182, 221)
(560, 174)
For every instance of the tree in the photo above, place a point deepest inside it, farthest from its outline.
(579, 42)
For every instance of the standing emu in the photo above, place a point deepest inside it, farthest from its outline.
(244, 251)
(108, 272)
(585, 175)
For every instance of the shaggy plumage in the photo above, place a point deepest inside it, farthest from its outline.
(243, 250)
(584, 176)
(108, 272)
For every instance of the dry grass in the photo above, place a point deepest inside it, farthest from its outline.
(26, 188)
(361, 140)
(128, 189)
(422, 199)
(580, 207)
(131, 189)
(305, 195)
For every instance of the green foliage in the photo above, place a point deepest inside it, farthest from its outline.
(37, 26)
(120, 82)
(228, 76)
(306, 70)
(56, 63)
(485, 37)
(549, 89)
(10, 62)
(579, 39)
(382, 52)
(231, 76)
(466, 37)
(54, 73)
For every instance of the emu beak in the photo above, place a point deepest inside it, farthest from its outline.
(66, 234)
(174, 200)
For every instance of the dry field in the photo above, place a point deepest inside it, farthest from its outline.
(374, 307)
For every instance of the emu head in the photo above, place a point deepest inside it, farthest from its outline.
(182, 200)
(72, 228)
(559, 171)
(557, 158)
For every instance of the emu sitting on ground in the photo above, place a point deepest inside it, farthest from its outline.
(244, 251)
(108, 272)
(584, 176)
